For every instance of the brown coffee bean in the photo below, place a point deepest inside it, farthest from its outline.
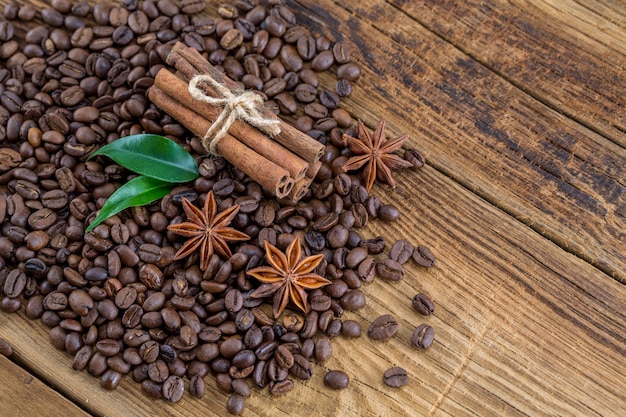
(323, 61)
(395, 377)
(401, 251)
(14, 283)
(415, 157)
(173, 389)
(349, 71)
(5, 348)
(423, 256)
(422, 304)
(423, 336)
(390, 270)
(323, 349)
(336, 380)
(351, 328)
(383, 327)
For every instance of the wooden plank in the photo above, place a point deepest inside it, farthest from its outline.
(23, 394)
(522, 328)
(563, 52)
(560, 178)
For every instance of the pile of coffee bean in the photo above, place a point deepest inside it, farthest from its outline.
(115, 299)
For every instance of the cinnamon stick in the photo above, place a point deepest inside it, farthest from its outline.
(313, 169)
(251, 137)
(269, 175)
(300, 189)
(191, 63)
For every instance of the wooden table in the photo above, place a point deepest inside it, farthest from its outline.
(519, 107)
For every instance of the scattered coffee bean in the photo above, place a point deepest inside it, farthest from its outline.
(383, 327)
(5, 348)
(395, 377)
(423, 305)
(336, 380)
(423, 256)
(423, 336)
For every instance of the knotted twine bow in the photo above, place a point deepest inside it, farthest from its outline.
(242, 106)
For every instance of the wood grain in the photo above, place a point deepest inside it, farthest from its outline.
(22, 394)
(522, 202)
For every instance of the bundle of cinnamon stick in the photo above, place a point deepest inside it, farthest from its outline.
(284, 164)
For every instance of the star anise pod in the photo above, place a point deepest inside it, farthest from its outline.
(288, 276)
(207, 229)
(376, 153)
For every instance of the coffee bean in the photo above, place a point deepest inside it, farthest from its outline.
(423, 336)
(14, 283)
(422, 304)
(301, 368)
(323, 349)
(395, 377)
(349, 71)
(5, 348)
(401, 251)
(351, 328)
(415, 157)
(374, 246)
(353, 300)
(336, 380)
(323, 61)
(383, 327)
(173, 389)
(390, 270)
(423, 256)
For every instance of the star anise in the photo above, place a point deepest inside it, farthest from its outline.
(376, 153)
(207, 229)
(287, 277)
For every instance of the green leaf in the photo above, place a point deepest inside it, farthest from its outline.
(153, 156)
(139, 191)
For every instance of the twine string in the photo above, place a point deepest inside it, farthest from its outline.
(245, 106)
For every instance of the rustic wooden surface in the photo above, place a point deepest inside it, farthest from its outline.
(519, 108)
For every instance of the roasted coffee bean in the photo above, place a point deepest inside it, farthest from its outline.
(351, 328)
(389, 269)
(401, 251)
(323, 349)
(14, 283)
(422, 304)
(330, 100)
(383, 327)
(336, 379)
(301, 368)
(349, 71)
(306, 93)
(395, 377)
(281, 387)
(235, 404)
(173, 389)
(353, 300)
(5, 348)
(423, 336)
(197, 386)
(374, 246)
(323, 61)
(80, 302)
(388, 213)
(423, 256)
(415, 157)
